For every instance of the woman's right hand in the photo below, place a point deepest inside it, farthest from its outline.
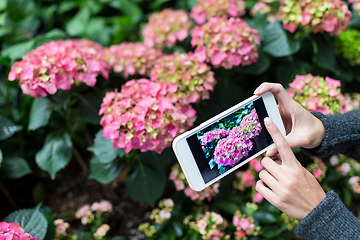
(302, 128)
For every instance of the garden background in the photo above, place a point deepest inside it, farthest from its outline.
(59, 109)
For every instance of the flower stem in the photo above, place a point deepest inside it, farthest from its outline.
(8, 196)
(80, 161)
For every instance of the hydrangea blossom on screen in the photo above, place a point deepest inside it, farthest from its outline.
(178, 177)
(13, 231)
(236, 143)
(206, 9)
(144, 115)
(166, 28)
(225, 42)
(315, 16)
(194, 79)
(57, 65)
(132, 58)
(318, 94)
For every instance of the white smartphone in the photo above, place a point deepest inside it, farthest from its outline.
(227, 141)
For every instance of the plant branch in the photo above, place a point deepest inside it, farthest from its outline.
(8, 196)
(80, 161)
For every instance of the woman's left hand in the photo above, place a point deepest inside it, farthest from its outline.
(288, 186)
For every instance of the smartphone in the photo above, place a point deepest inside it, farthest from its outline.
(227, 141)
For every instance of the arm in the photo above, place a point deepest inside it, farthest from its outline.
(342, 135)
(329, 220)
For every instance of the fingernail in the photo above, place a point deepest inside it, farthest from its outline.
(271, 153)
(268, 122)
(258, 90)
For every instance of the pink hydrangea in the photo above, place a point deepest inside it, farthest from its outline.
(244, 225)
(132, 58)
(195, 80)
(178, 177)
(330, 16)
(355, 4)
(318, 94)
(257, 198)
(225, 42)
(230, 150)
(206, 9)
(144, 115)
(58, 65)
(166, 27)
(13, 231)
(102, 206)
(318, 169)
(163, 213)
(255, 163)
(210, 225)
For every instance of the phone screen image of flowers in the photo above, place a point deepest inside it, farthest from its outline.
(231, 140)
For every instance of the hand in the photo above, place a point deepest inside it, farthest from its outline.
(302, 128)
(288, 186)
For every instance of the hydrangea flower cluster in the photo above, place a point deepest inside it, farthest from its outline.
(348, 46)
(178, 177)
(166, 27)
(86, 211)
(315, 16)
(356, 5)
(194, 79)
(144, 115)
(317, 169)
(13, 231)
(160, 215)
(132, 58)
(290, 222)
(318, 94)
(61, 228)
(244, 179)
(230, 150)
(58, 65)
(244, 226)
(163, 213)
(101, 231)
(206, 9)
(349, 168)
(225, 42)
(352, 101)
(210, 225)
(262, 8)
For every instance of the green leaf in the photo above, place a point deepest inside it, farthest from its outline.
(104, 173)
(8, 128)
(98, 31)
(55, 154)
(50, 217)
(1, 157)
(18, 9)
(66, 6)
(118, 238)
(3, 4)
(15, 167)
(278, 43)
(53, 35)
(40, 112)
(271, 231)
(145, 184)
(77, 25)
(39, 193)
(259, 23)
(264, 217)
(31, 220)
(131, 9)
(17, 51)
(259, 67)
(89, 105)
(325, 55)
(104, 150)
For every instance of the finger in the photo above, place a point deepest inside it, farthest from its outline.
(277, 89)
(265, 192)
(281, 144)
(271, 152)
(269, 180)
(272, 167)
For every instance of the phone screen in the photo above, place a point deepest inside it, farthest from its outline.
(231, 140)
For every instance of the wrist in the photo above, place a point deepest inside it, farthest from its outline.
(318, 133)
